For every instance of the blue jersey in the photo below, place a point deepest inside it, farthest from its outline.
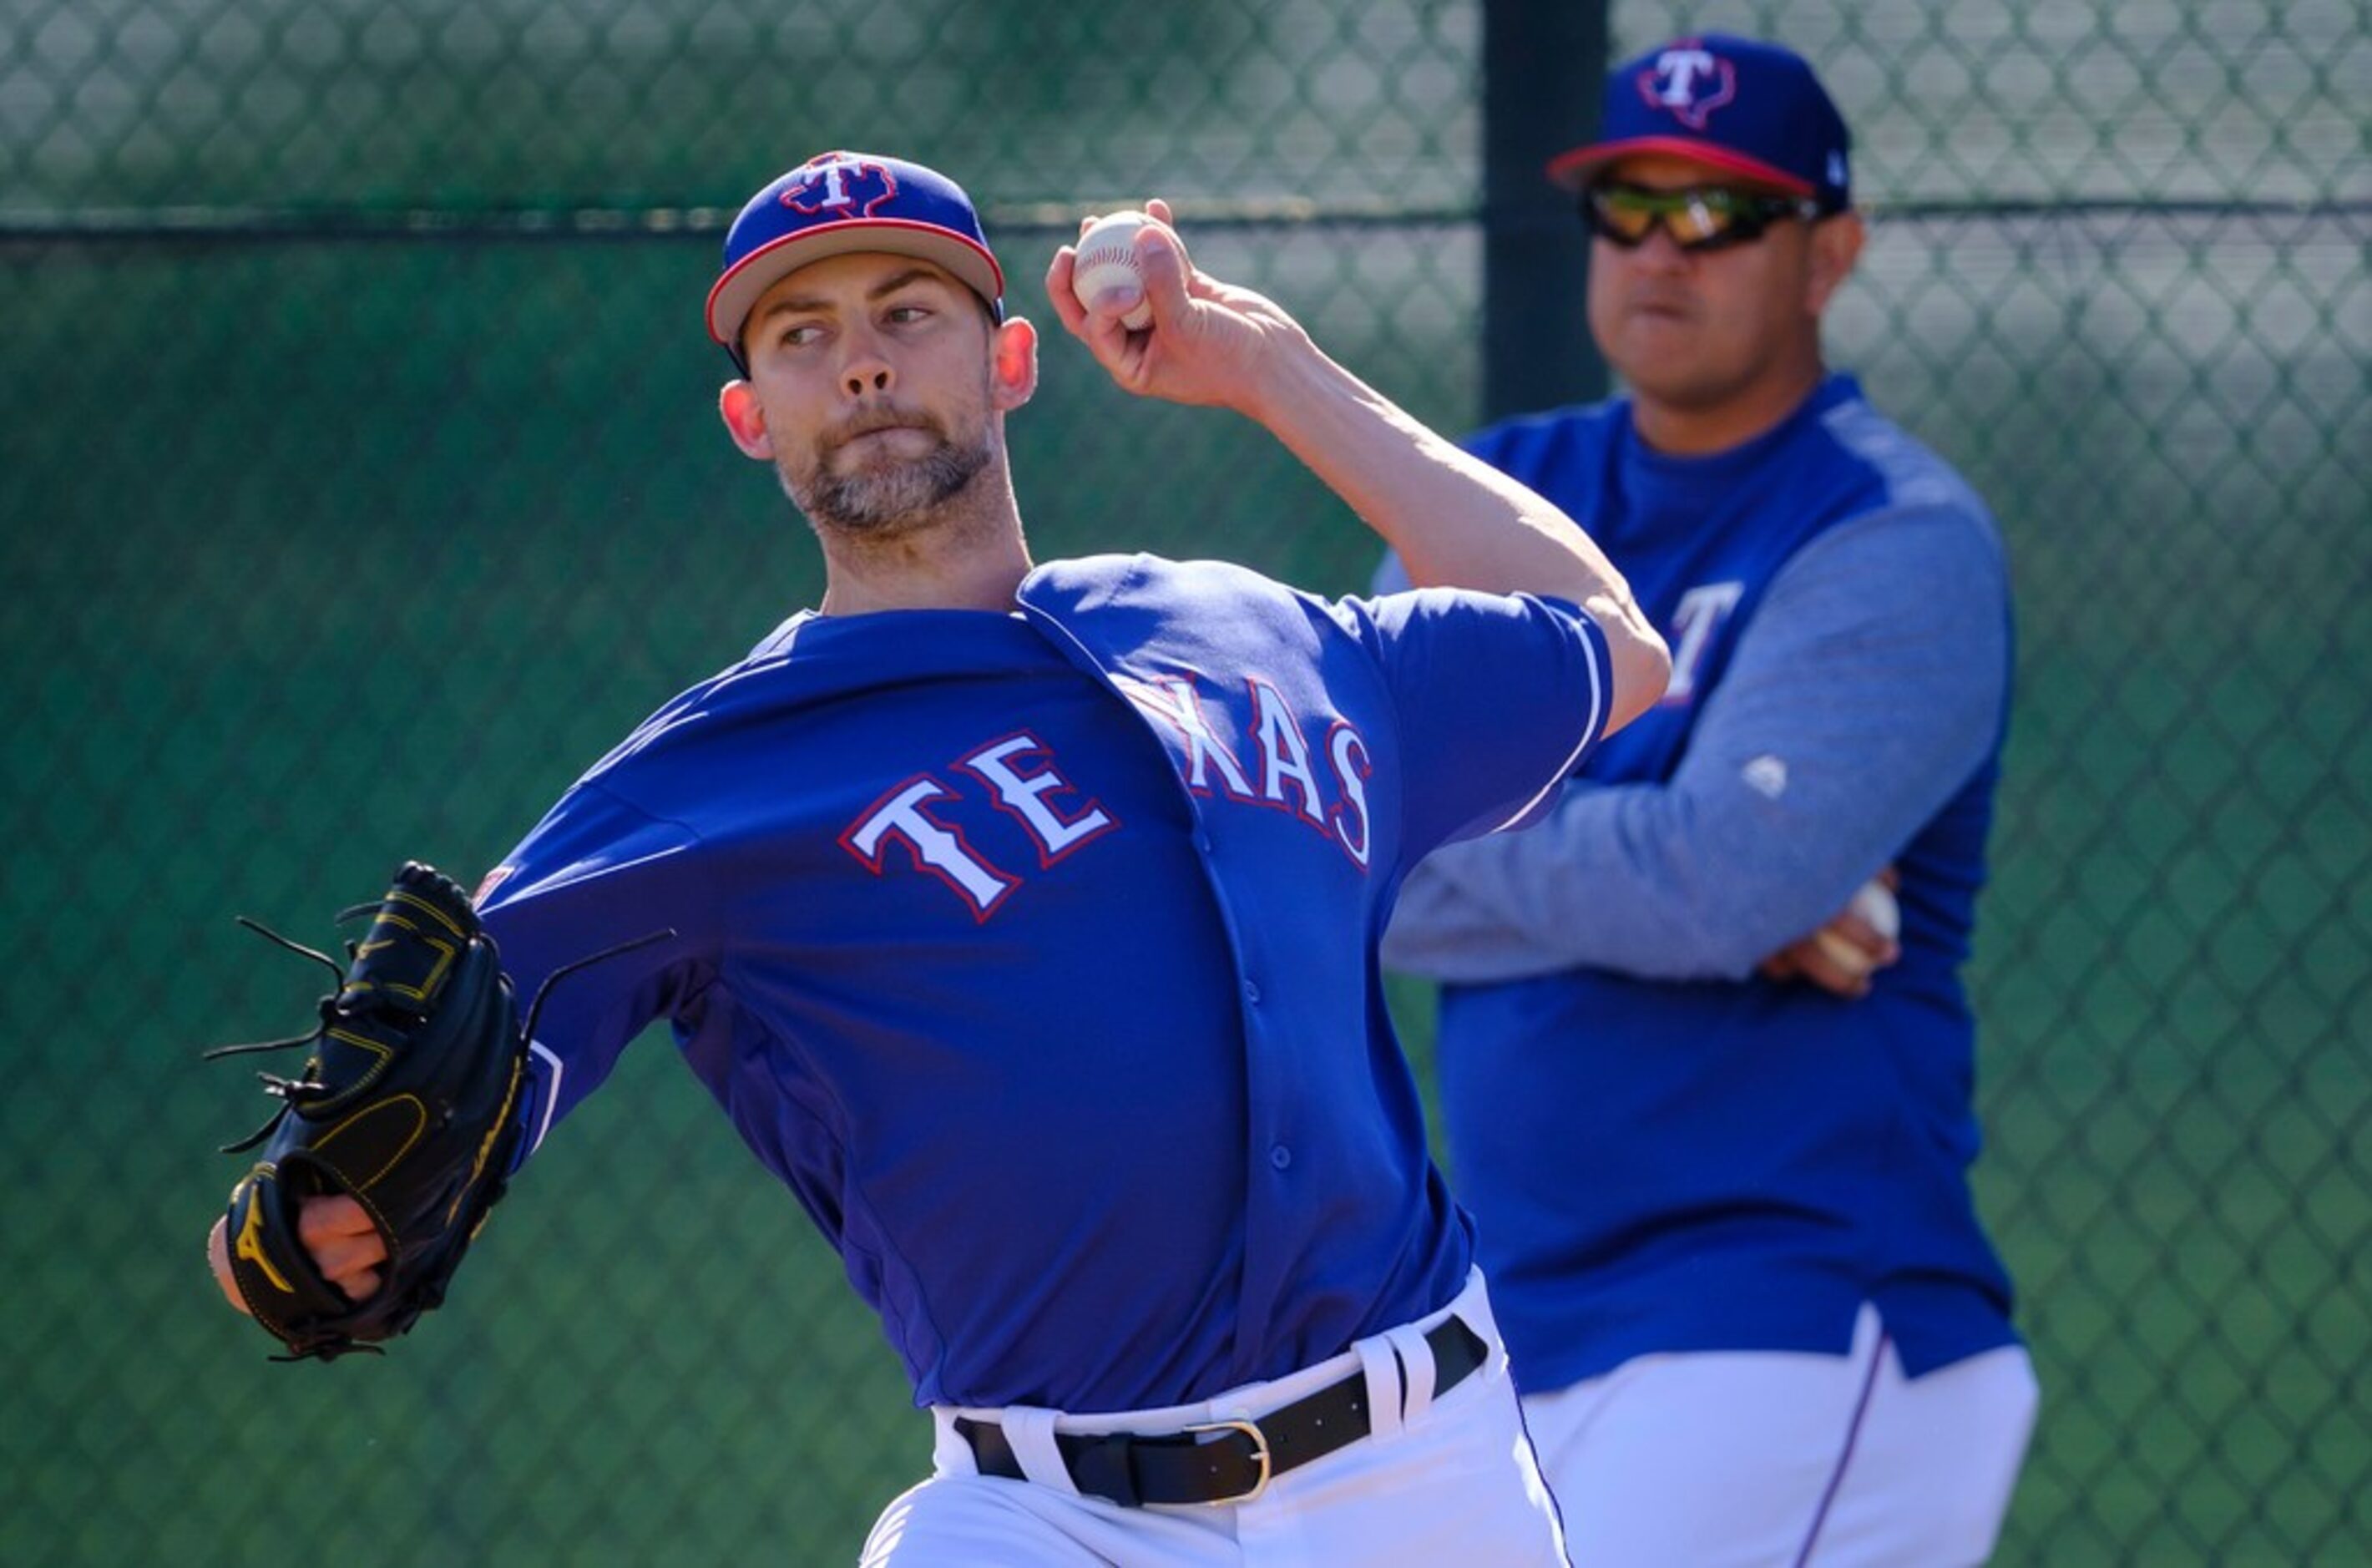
(1036, 952)
(1665, 1150)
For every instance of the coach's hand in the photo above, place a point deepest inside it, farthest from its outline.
(345, 1246)
(1209, 344)
(1842, 956)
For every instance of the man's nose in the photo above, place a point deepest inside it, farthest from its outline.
(866, 372)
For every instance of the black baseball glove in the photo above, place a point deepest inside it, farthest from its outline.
(408, 1103)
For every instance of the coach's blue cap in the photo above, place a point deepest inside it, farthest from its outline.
(1750, 107)
(840, 203)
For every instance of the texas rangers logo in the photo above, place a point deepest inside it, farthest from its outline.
(1702, 613)
(839, 185)
(1690, 81)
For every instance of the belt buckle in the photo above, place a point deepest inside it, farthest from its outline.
(1260, 1451)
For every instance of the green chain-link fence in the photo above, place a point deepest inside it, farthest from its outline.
(358, 485)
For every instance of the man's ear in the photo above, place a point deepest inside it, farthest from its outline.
(1836, 246)
(745, 419)
(1013, 364)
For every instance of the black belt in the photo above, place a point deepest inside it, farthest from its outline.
(1222, 1461)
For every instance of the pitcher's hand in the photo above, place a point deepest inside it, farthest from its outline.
(1210, 342)
(345, 1244)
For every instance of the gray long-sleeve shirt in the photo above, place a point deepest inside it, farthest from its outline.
(1864, 693)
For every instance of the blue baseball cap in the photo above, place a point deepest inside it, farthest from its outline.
(842, 203)
(1749, 107)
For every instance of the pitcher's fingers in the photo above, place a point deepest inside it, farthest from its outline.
(359, 1284)
(1060, 295)
(345, 1246)
(1166, 268)
(331, 1216)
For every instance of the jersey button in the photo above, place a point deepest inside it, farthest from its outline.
(1251, 991)
(1280, 1156)
(1201, 842)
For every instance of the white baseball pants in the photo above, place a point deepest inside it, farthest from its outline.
(1769, 1460)
(1438, 1482)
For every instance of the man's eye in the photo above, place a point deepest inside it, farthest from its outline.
(906, 314)
(799, 336)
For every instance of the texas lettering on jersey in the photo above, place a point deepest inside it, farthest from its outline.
(1274, 764)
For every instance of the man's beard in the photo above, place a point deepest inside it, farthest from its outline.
(879, 499)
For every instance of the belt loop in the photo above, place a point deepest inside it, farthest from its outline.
(1381, 1366)
(1474, 1308)
(1416, 1371)
(1029, 1432)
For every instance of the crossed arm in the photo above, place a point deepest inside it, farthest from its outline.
(1868, 688)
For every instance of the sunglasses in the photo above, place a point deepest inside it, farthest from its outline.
(1702, 217)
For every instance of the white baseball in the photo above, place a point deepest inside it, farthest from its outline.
(1107, 264)
(1876, 907)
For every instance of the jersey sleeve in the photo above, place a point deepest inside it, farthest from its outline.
(1499, 698)
(599, 884)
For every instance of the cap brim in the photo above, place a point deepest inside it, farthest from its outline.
(1572, 170)
(736, 292)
